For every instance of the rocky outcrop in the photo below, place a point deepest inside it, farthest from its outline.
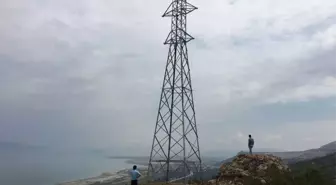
(246, 167)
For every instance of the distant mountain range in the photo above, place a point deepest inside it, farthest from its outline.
(296, 156)
(224, 153)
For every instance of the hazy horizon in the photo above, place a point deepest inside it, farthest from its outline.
(220, 153)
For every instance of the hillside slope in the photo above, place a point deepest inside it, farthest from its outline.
(326, 165)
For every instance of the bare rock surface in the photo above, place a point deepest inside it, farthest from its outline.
(247, 166)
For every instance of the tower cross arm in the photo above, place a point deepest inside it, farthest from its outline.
(172, 10)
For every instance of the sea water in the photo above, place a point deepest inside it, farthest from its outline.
(49, 168)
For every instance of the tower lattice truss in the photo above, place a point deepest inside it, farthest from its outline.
(175, 149)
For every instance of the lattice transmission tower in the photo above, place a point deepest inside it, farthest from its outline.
(175, 149)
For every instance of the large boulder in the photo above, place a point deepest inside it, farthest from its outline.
(245, 167)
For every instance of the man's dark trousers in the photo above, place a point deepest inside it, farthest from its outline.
(134, 182)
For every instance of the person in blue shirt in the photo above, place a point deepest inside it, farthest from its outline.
(135, 175)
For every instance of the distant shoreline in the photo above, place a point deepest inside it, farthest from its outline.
(139, 160)
(119, 176)
(128, 157)
(116, 177)
(142, 163)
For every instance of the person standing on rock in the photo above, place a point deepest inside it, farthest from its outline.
(135, 175)
(250, 143)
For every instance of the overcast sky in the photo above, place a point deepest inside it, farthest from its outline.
(88, 73)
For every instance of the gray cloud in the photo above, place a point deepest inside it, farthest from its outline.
(89, 74)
